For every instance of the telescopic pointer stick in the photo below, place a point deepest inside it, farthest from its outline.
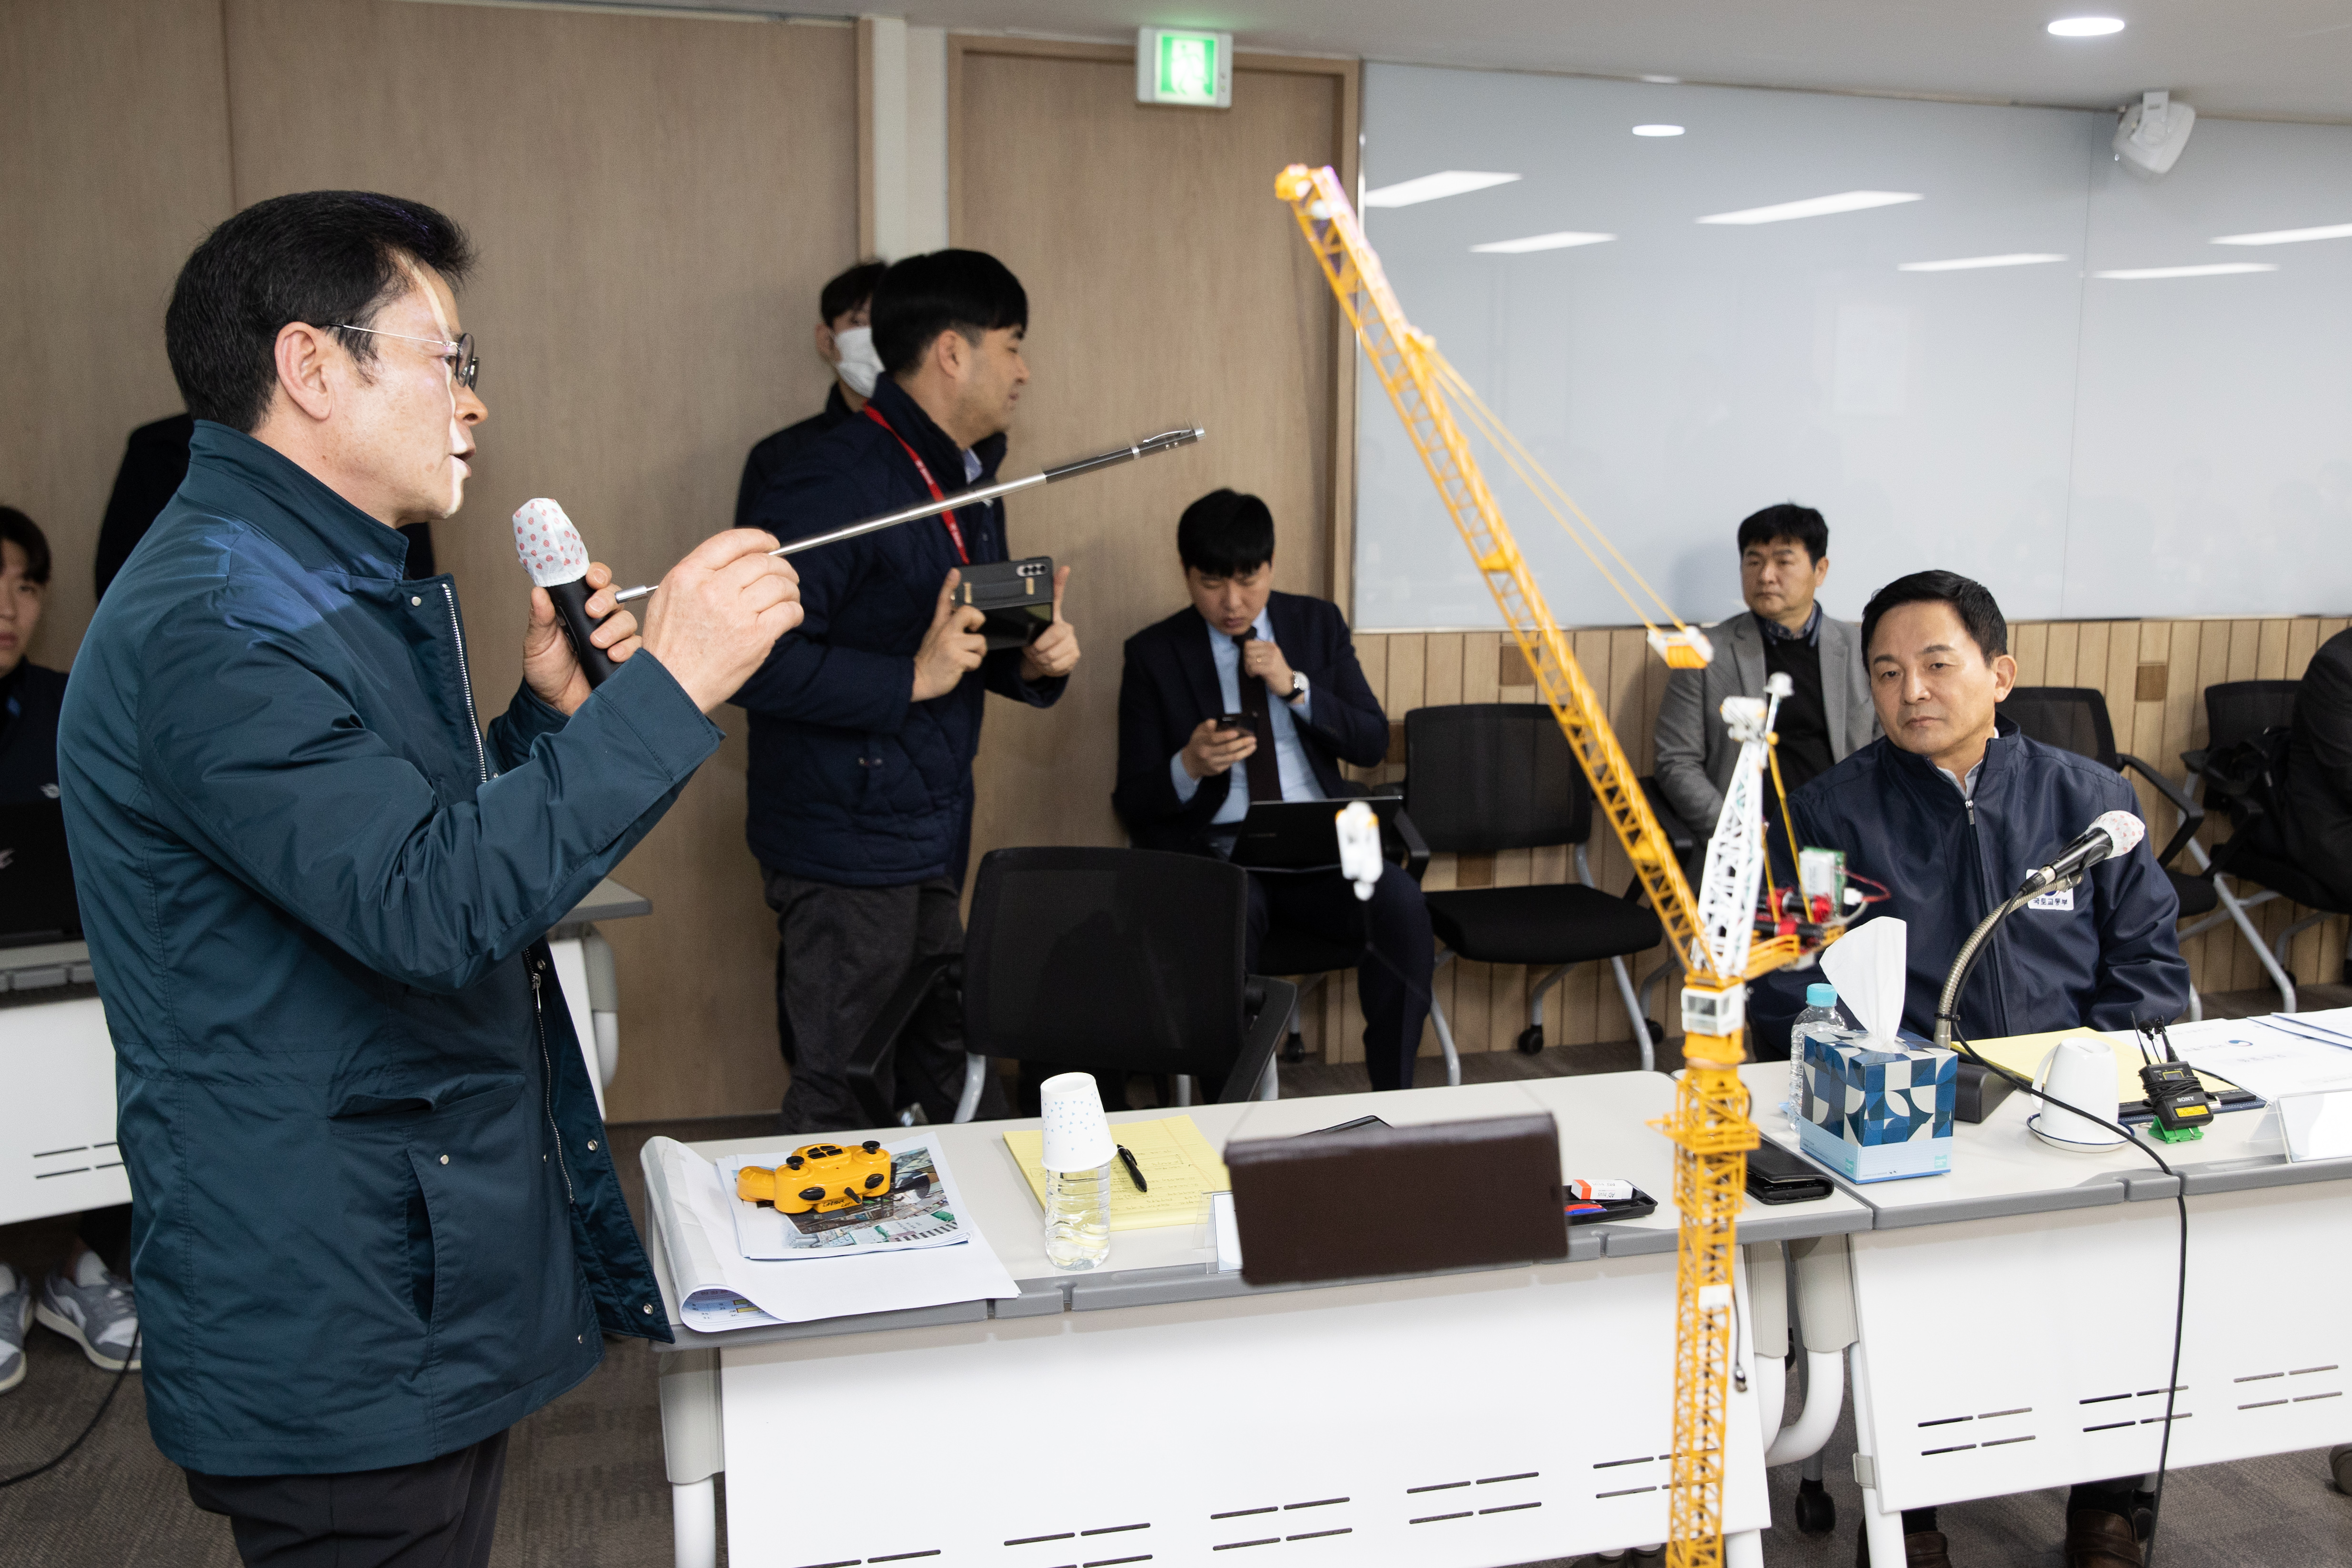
(1166, 441)
(552, 554)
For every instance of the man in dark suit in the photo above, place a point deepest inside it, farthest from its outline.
(1285, 664)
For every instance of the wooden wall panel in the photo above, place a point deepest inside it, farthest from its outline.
(114, 117)
(2106, 655)
(656, 202)
(1142, 316)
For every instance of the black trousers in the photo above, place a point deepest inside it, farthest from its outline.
(438, 1513)
(849, 948)
(1391, 981)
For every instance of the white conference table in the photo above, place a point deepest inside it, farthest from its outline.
(1159, 1411)
(2015, 1315)
(58, 1153)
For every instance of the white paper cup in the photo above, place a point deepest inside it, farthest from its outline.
(1077, 1138)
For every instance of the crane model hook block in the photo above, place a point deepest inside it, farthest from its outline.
(1714, 935)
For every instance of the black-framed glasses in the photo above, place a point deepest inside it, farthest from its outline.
(464, 364)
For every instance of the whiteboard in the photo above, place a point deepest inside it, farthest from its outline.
(2086, 447)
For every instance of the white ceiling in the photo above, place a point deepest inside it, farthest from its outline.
(2284, 59)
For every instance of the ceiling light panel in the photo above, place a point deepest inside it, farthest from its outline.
(2289, 236)
(1816, 206)
(2212, 269)
(1565, 239)
(1657, 130)
(1433, 187)
(1970, 263)
(2085, 27)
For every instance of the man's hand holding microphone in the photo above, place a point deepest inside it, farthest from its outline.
(716, 619)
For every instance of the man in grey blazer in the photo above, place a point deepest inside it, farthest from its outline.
(1783, 561)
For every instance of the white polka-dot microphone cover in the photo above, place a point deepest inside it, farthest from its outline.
(1077, 1138)
(548, 543)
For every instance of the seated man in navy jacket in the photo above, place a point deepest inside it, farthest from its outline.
(1950, 809)
(1286, 662)
(864, 719)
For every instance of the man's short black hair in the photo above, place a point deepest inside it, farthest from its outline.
(1969, 599)
(331, 258)
(969, 291)
(22, 532)
(850, 289)
(1787, 520)
(1225, 534)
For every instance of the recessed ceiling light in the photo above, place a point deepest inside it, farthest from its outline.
(2212, 269)
(1967, 263)
(2289, 236)
(1663, 81)
(2085, 27)
(1560, 241)
(1816, 206)
(1432, 187)
(1657, 130)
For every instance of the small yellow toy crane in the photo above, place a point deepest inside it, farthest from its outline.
(1712, 936)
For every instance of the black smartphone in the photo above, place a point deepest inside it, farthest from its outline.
(1346, 1126)
(1234, 721)
(1777, 1176)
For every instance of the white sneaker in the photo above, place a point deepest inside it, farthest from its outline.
(94, 1309)
(16, 1316)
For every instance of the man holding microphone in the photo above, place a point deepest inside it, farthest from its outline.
(376, 1219)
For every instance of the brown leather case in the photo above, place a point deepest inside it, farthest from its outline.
(1398, 1200)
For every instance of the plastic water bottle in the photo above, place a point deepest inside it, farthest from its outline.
(1078, 1218)
(1820, 1008)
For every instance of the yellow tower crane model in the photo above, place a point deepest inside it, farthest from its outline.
(1714, 935)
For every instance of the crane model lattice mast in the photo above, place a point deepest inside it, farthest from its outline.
(1709, 1125)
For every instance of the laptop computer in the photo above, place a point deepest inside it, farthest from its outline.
(37, 890)
(1300, 835)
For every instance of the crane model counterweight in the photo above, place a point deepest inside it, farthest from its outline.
(1713, 937)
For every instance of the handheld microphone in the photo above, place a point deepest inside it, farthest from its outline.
(2113, 833)
(552, 552)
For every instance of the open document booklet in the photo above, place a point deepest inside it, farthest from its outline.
(737, 1264)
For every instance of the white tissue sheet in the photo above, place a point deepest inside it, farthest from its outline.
(1870, 967)
(548, 546)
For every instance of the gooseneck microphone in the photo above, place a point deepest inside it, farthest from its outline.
(552, 552)
(2111, 833)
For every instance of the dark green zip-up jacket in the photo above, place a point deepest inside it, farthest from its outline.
(376, 1215)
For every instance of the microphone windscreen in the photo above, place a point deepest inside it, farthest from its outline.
(548, 545)
(2122, 827)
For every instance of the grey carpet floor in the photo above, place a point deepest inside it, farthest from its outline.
(584, 1486)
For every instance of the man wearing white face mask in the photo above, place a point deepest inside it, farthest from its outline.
(844, 340)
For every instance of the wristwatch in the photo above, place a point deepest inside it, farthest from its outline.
(1297, 691)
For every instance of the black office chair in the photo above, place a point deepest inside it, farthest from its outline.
(1485, 777)
(1288, 949)
(1112, 961)
(2074, 718)
(2237, 711)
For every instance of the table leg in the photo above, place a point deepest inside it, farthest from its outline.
(1744, 1549)
(694, 1524)
(1883, 1529)
(694, 1451)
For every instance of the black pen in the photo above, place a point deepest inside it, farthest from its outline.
(1134, 1173)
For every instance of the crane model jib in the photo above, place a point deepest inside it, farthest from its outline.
(1712, 936)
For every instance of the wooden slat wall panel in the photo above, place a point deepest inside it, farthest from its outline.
(1489, 1006)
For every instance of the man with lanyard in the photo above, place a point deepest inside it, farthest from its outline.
(865, 719)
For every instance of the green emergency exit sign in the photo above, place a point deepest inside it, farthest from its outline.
(1194, 69)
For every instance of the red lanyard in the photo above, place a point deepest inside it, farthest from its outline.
(923, 468)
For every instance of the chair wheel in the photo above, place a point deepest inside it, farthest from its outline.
(1816, 1509)
(1530, 1041)
(1294, 1049)
(1657, 1031)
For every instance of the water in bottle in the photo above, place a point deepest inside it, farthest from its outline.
(1078, 1218)
(1821, 1014)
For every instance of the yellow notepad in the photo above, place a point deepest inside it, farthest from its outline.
(1176, 1161)
(2022, 1054)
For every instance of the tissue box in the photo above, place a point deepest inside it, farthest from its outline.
(1872, 1114)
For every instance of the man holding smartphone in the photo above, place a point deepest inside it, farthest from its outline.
(1246, 695)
